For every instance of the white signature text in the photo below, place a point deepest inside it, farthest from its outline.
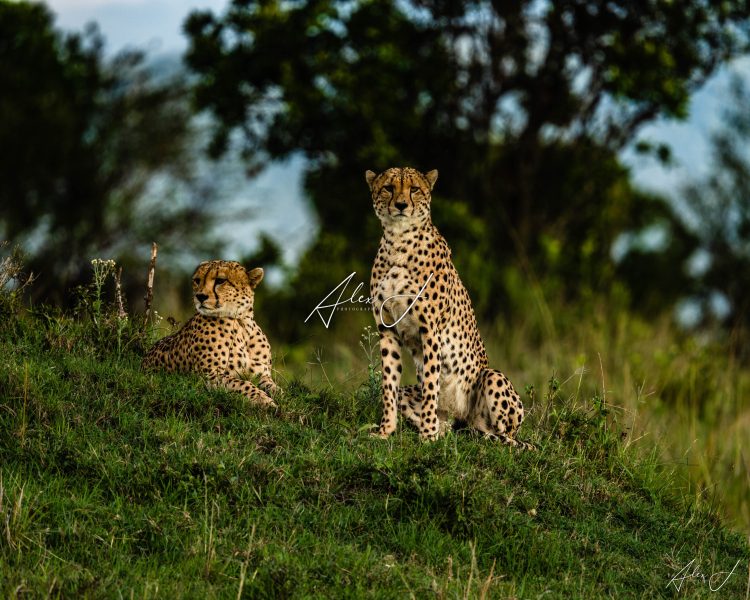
(336, 298)
(692, 571)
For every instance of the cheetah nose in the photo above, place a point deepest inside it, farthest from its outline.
(401, 205)
(201, 297)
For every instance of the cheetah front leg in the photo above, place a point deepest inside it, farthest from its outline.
(429, 426)
(246, 388)
(410, 403)
(262, 371)
(263, 374)
(390, 362)
(268, 385)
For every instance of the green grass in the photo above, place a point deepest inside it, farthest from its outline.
(116, 483)
(684, 396)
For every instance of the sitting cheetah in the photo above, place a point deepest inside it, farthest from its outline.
(221, 341)
(419, 302)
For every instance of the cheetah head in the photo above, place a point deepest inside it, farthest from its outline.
(223, 288)
(401, 196)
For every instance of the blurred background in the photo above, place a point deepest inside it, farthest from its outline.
(594, 183)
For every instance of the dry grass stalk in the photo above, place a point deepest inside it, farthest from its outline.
(150, 282)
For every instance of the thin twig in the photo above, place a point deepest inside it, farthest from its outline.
(150, 283)
(121, 314)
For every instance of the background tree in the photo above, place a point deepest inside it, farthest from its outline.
(86, 143)
(522, 107)
(718, 211)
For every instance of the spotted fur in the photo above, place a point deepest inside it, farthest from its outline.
(221, 341)
(439, 329)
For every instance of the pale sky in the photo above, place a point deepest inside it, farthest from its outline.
(141, 23)
(688, 139)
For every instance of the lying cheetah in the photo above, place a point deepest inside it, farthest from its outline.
(222, 340)
(439, 328)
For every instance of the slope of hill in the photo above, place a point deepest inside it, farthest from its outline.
(116, 483)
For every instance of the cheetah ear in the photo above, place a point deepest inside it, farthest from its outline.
(431, 178)
(254, 277)
(370, 177)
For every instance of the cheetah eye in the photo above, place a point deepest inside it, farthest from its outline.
(197, 281)
(388, 188)
(415, 189)
(220, 280)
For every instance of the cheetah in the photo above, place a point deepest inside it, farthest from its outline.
(420, 302)
(221, 341)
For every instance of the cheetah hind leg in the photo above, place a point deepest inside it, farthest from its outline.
(500, 409)
(410, 405)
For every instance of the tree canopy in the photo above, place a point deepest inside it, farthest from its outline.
(522, 107)
(82, 138)
(718, 208)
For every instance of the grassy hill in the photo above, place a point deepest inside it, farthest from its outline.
(116, 483)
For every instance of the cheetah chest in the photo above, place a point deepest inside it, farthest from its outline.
(394, 304)
(227, 346)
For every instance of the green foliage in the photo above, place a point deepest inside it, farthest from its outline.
(521, 106)
(656, 277)
(117, 482)
(101, 313)
(13, 281)
(720, 206)
(436, 68)
(82, 139)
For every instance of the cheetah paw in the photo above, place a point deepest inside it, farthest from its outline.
(380, 434)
